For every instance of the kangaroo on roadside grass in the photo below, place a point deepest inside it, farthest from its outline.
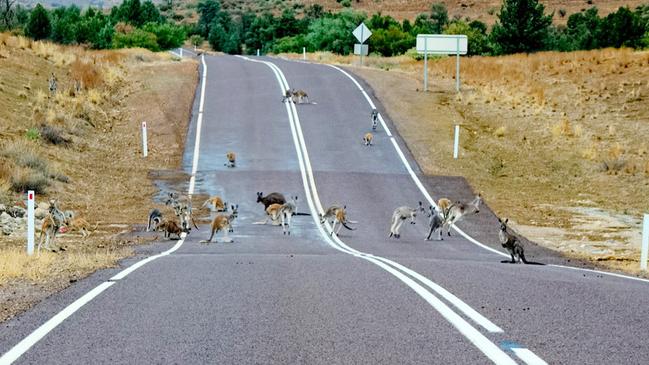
(216, 203)
(336, 214)
(232, 157)
(435, 223)
(54, 220)
(458, 210)
(375, 119)
(223, 222)
(272, 198)
(400, 215)
(367, 139)
(79, 224)
(155, 218)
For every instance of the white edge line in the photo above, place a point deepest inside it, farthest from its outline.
(474, 336)
(528, 356)
(25, 344)
(430, 200)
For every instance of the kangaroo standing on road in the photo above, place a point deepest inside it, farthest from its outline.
(223, 222)
(458, 210)
(367, 139)
(435, 223)
(272, 198)
(231, 157)
(155, 218)
(375, 119)
(216, 203)
(169, 228)
(511, 244)
(400, 215)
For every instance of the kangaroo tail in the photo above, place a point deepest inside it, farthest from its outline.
(530, 262)
(346, 226)
(298, 213)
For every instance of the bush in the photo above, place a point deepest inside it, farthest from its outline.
(136, 39)
(53, 135)
(25, 179)
(168, 35)
(39, 26)
(32, 134)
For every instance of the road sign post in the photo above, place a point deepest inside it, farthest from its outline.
(645, 243)
(181, 52)
(304, 53)
(30, 222)
(362, 32)
(442, 44)
(145, 147)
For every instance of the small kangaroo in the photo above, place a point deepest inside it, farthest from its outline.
(272, 198)
(231, 156)
(300, 97)
(288, 95)
(400, 215)
(169, 228)
(223, 222)
(79, 224)
(435, 223)
(155, 218)
(375, 119)
(367, 139)
(511, 243)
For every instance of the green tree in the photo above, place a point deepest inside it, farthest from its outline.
(334, 33)
(137, 38)
(208, 11)
(522, 26)
(434, 22)
(39, 26)
(622, 28)
(196, 40)
(65, 23)
(477, 37)
(582, 29)
(167, 35)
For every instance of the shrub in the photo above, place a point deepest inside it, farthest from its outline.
(86, 72)
(23, 180)
(32, 134)
(168, 35)
(39, 26)
(53, 135)
(136, 39)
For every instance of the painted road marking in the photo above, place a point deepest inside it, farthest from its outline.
(29, 341)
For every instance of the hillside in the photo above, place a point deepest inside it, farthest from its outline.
(484, 10)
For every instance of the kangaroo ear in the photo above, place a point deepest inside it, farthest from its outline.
(499, 221)
(344, 207)
(506, 220)
(420, 203)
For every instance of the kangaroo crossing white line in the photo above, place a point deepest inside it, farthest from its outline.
(19, 349)
(493, 352)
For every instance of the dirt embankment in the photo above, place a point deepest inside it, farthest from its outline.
(557, 142)
(83, 145)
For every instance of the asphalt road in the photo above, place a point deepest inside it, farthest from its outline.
(307, 298)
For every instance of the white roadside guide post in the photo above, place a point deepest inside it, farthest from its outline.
(181, 52)
(304, 53)
(30, 222)
(645, 243)
(257, 52)
(442, 44)
(145, 149)
(362, 32)
(456, 144)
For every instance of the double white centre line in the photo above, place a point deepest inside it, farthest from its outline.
(406, 275)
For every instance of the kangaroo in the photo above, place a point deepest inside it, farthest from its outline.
(216, 203)
(169, 228)
(185, 215)
(223, 222)
(400, 215)
(443, 205)
(272, 198)
(435, 223)
(231, 156)
(155, 218)
(511, 243)
(367, 139)
(288, 95)
(375, 119)
(286, 212)
(300, 97)
(272, 214)
(458, 210)
(82, 226)
(52, 81)
(336, 214)
(54, 220)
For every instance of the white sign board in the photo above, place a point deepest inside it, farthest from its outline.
(362, 32)
(442, 44)
(361, 49)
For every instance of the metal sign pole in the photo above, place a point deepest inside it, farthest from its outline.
(425, 64)
(457, 66)
(362, 41)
